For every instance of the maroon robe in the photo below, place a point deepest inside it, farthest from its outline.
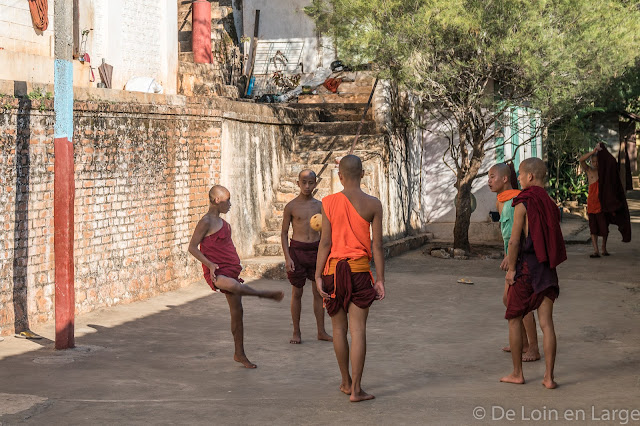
(544, 225)
(612, 195)
(218, 248)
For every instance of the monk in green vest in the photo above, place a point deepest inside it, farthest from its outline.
(500, 182)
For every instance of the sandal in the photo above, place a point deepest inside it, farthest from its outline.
(593, 256)
(28, 335)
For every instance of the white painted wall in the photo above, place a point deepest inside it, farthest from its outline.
(139, 38)
(17, 33)
(282, 20)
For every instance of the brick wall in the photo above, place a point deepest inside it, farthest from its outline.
(142, 175)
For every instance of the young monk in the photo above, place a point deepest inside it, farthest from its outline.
(597, 220)
(343, 274)
(500, 178)
(301, 254)
(221, 265)
(536, 248)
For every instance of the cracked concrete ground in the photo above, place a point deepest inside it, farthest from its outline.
(433, 355)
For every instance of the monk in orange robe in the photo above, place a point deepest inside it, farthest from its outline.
(343, 274)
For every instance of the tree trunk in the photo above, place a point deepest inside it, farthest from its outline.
(463, 218)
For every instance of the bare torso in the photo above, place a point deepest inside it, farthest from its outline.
(364, 204)
(301, 211)
(592, 174)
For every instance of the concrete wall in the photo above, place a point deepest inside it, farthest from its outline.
(139, 38)
(256, 142)
(282, 20)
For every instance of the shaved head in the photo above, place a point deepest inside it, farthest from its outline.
(351, 167)
(307, 173)
(535, 166)
(502, 170)
(218, 191)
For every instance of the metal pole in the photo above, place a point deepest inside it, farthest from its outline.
(63, 181)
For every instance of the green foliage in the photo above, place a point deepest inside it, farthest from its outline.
(554, 54)
(39, 93)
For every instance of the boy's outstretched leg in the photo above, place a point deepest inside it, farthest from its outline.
(341, 348)
(296, 307)
(237, 329)
(545, 315)
(233, 286)
(358, 328)
(515, 341)
(318, 310)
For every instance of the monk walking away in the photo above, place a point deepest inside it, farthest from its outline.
(598, 225)
(502, 180)
(536, 248)
(211, 244)
(343, 274)
(607, 200)
(302, 252)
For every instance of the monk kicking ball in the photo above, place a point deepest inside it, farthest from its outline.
(343, 272)
(301, 253)
(211, 244)
(536, 248)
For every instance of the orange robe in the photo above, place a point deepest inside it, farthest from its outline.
(347, 273)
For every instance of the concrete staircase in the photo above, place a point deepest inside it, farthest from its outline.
(316, 148)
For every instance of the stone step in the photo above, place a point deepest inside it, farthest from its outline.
(270, 267)
(271, 236)
(332, 98)
(268, 249)
(356, 87)
(274, 222)
(205, 70)
(307, 144)
(185, 57)
(285, 197)
(332, 107)
(340, 128)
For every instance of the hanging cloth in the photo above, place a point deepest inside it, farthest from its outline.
(39, 13)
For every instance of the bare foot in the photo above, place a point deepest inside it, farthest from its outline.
(324, 336)
(244, 361)
(296, 339)
(511, 378)
(345, 388)
(275, 295)
(549, 383)
(525, 349)
(531, 356)
(360, 396)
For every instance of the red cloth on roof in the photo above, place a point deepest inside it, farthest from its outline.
(612, 195)
(544, 225)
